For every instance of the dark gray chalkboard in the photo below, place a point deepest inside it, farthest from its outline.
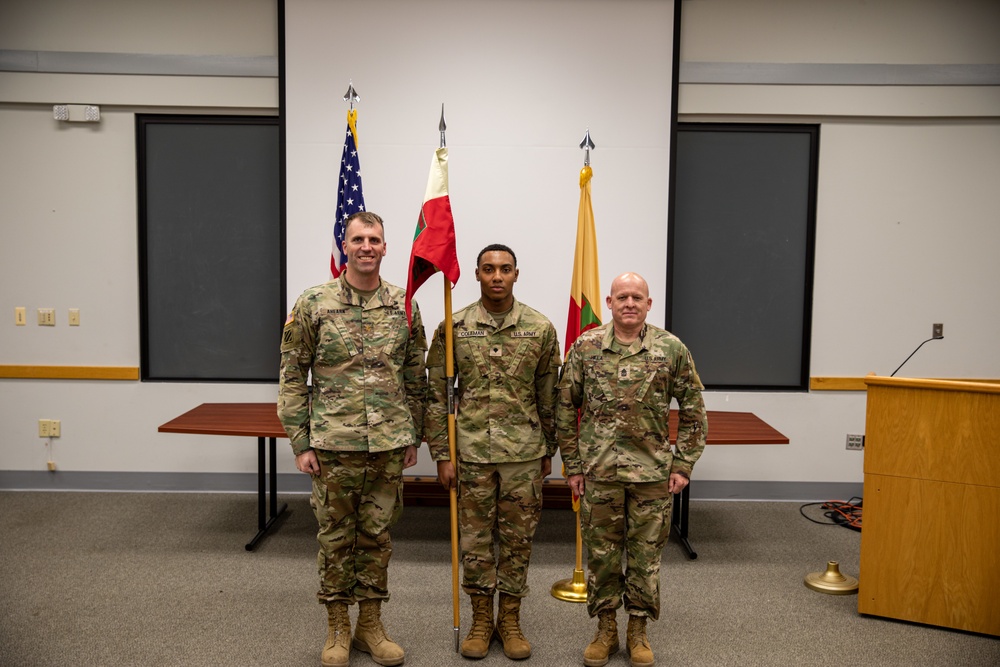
(741, 252)
(211, 252)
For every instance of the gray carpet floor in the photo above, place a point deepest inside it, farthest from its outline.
(110, 579)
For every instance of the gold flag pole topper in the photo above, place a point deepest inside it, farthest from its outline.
(449, 370)
(575, 588)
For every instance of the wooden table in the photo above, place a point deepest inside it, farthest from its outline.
(724, 428)
(259, 420)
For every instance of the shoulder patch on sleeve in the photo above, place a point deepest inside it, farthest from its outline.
(291, 334)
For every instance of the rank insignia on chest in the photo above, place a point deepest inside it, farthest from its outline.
(625, 372)
(496, 351)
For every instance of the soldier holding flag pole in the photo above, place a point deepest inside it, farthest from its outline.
(507, 358)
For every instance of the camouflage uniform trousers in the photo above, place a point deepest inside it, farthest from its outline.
(356, 497)
(629, 517)
(501, 501)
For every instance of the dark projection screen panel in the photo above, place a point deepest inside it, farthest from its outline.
(743, 252)
(210, 236)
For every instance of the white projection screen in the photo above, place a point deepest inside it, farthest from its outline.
(521, 82)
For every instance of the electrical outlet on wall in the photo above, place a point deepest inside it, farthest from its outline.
(49, 428)
(855, 442)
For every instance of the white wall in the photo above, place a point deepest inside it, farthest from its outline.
(906, 222)
(520, 85)
(68, 227)
(907, 204)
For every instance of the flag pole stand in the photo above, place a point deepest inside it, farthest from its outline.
(571, 590)
(575, 588)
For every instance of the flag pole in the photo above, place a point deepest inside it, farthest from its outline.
(350, 194)
(449, 370)
(575, 588)
(453, 491)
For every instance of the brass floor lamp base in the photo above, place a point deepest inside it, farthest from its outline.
(571, 590)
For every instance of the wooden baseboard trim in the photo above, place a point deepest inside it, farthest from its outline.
(69, 372)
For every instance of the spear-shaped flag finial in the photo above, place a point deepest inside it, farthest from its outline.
(351, 96)
(586, 145)
(442, 126)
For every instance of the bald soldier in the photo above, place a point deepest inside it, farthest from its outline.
(506, 367)
(354, 430)
(620, 378)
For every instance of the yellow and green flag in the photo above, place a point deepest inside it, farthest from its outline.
(585, 294)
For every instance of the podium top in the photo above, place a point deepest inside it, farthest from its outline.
(977, 386)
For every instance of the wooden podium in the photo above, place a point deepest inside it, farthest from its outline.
(930, 547)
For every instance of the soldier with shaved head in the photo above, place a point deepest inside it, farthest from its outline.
(619, 381)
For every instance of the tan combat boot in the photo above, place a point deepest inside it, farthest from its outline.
(638, 645)
(515, 646)
(477, 643)
(605, 641)
(337, 650)
(370, 637)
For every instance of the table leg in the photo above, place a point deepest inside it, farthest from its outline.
(264, 523)
(274, 480)
(679, 521)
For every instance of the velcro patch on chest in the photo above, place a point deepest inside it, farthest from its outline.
(472, 334)
(524, 334)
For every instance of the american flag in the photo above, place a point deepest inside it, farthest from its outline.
(350, 196)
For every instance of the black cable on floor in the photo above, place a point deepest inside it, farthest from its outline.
(839, 513)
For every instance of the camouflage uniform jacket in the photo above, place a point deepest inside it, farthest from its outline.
(368, 378)
(624, 402)
(506, 396)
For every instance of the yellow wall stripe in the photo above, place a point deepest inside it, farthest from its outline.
(70, 372)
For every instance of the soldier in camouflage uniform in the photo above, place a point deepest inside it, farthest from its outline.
(355, 430)
(621, 378)
(506, 367)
